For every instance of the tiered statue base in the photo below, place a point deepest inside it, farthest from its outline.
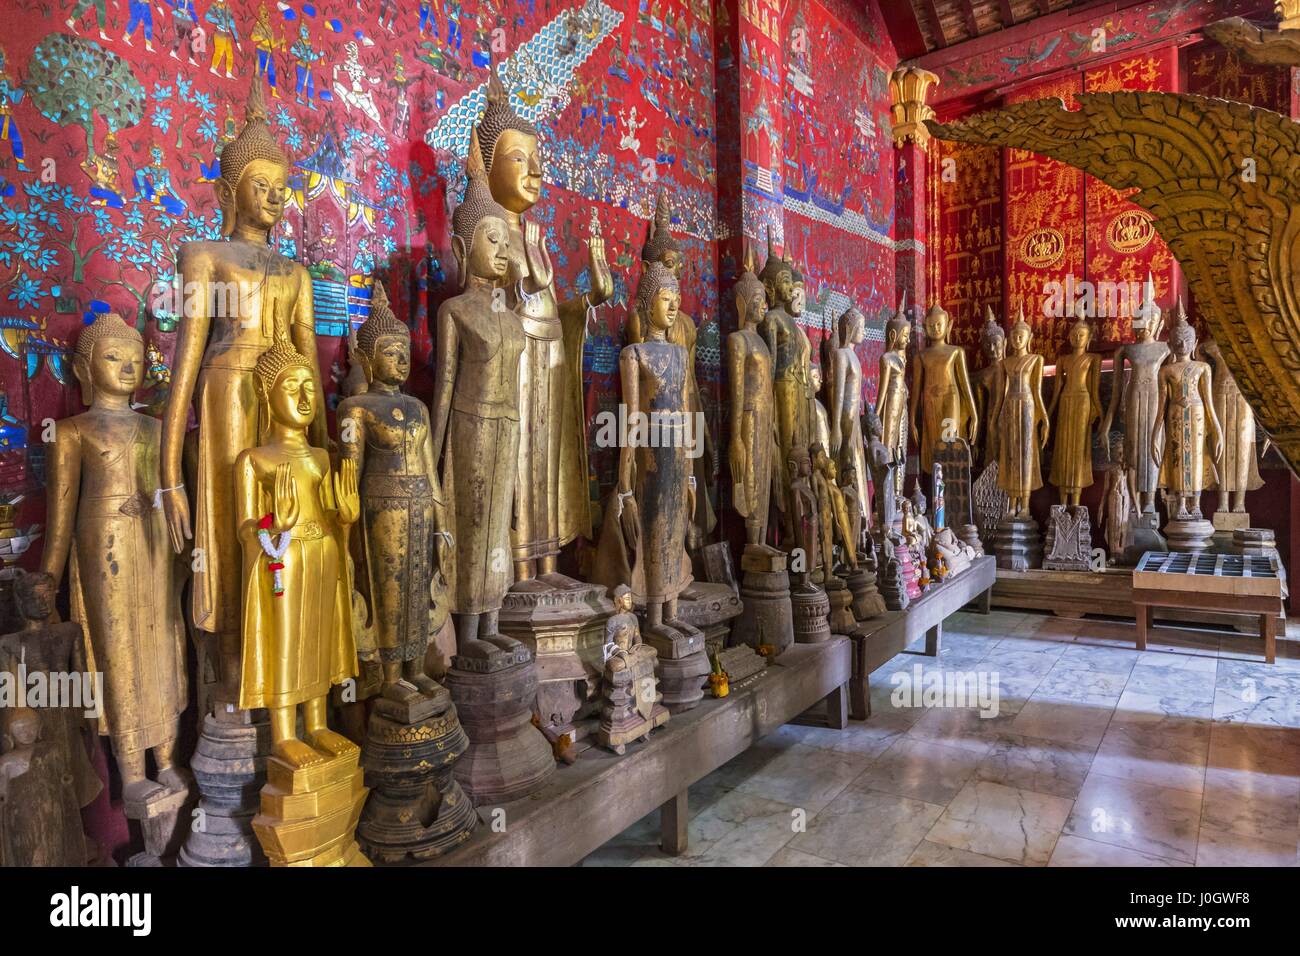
(766, 620)
(709, 608)
(812, 610)
(889, 575)
(1018, 544)
(163, 818)
(508, 757)
(229, 767)
(842, 620)
(416, 810)
(1143, 536)
(562, 621)
(1069, 539)
(682, 666)
(867, 600)
(909, 569)
(990, 501)
(1189, 533)
(632, 705)
(309, 815)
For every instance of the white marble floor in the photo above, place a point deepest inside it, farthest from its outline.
(1187, 754)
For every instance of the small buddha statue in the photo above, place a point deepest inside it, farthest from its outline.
(123, 588)
(1022, 421)
(387, 436)
(804, 517)
(39, 820)
(918, 502)
(884, 468)
(988, 385)
(753, 440)
(820, 419)
(941, 390)
(1238, 472)
(833, 511)
(293, 517)
(1117, 499)
(891, 393)
(1076, 406)
(1187, 442)
(632, 703)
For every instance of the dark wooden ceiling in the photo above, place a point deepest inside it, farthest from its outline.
(923, 26)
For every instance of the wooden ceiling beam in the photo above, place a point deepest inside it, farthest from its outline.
(968, 8)
(933, 12)
(904, 29)
(1008, 14)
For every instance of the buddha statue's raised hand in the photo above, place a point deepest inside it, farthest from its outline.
(346, 494)
(285, 502)
(539, 260)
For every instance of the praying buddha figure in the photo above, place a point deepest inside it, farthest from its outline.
(123, 588)
(1021, 420)
(553, 502)
(1076, 406)
(1187, 442)
(240, 295)
(941, 390)
(388, 437)
(753, 441)
(292, 520)
(891, 394)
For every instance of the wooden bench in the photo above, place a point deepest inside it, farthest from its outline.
(585, 805)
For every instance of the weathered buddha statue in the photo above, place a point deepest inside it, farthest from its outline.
(1187, 442)
(987, 385)
(791, 361)
(293, 516)
(39, 820)
(920, 518)
(239, 295)
(476, 416)
(753, 440)
(552, 506)
(891, 393)
(884, 483)
(845, 397)
(388, 437)
(123, 588)
(661, 247)
(631, 705)
(1076, 406)
(1116, 509)
(833, 511)
(818, 416)
(805, 519)
(940, 390)
(1238, 471)
(1021, 420)
(1137, 393)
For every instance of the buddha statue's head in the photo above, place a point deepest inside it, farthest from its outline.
(1182, 337)
(660, 246)
(937, 324)
(622, 599)
(109, 359)
(658, 297)
(852, 328)
(384, 342)
(776, 276)
(1080, 335)
(34, 594)
(1021, 336)
(918, 499)
(848, 477)
(24, 729)
(798, 293)
(751, 297)
(871, 422)
(286, 385)
(815, 377)
(898, 330)
(480, 235)
(254, 180)
(511, 152)
(993, 341)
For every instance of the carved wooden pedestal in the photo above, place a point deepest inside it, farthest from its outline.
(766, 617)
(1018, 545)
(229, 767)
(1069, 539)
(309, 816)
(508, 757)
(841, 600)
(416, 810)
(682, 667)
(1189, 534)
(812, 610)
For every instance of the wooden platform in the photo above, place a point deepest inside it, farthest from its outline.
(878, 640)
(1073, 594)
(585, 805)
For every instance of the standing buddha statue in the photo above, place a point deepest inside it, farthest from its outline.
(1239, 470)
(753, 442)
(1076, 406)
(891, 394)
(1022, 420)
(846, 447)
(940, 390)
(987, 386)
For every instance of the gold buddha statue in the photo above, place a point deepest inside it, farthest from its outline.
(123, 589)
(661, 247)
(1187, 442)
(553, 502)
(239, 295)
(987, 385)
(845, 397)
(1021, 420)
(388, 437)
(476, 416)
(1137, 393)
(293, 515)
(833, 511)
(1238, 471)
(891, 394)
(818, 416)
(941, 390)
(753, 440)
(1076, 406)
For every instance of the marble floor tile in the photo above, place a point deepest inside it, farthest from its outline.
(1155, 749)
(741, 829)
(764, 751)
(1032, 643)
(1107, 660)
(1076, 851)
(961, 727)
(867, 828)
(919, 769)
(1066, 721)
(804, 776)
(1071, 683)
(1008, 823)
(788, 857)
(1158, 821)
(1253, 693)
(867, 738)
(1261, 806)
(1138, 702)
(1172, 658)
(1175, 682)
(1258, 748)
(936, 854)
(1227, 848)
(1017, 662)
(1031, 763)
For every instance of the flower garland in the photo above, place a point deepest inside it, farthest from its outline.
(274, 552)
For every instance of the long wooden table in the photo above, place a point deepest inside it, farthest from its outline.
(585, 805)
(881, 638)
